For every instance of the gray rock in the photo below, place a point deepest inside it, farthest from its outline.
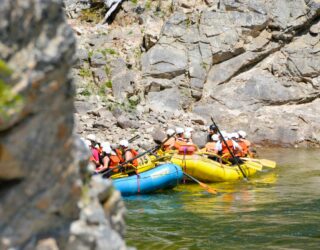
(124, 122)
(123, 80)
(97, 59)
(167, 100)
(164, 61)
(200, 139)
(36, 145)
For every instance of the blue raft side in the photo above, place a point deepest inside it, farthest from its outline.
(164, 176)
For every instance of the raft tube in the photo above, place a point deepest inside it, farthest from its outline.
(207, 170)
(164, 176)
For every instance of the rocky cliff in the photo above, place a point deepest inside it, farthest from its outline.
(253, 65)
(42, 167)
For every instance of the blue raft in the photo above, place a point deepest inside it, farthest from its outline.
(163, 176)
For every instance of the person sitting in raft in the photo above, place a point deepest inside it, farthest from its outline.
(125, 153)
(210, 146)
(244, 149)
(189, 130)
(179, 134)
(179, 139)
(222, 149)
(242, 137)
(108, 159)
(211, 131)
(94, 147)
(187, 137)
(169, 144)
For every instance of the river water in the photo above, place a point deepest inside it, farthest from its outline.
(276, 209)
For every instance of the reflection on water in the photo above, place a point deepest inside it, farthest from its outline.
(278, 209)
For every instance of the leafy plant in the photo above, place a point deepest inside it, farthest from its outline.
(10, 102)
(147, 5)
(85, 72)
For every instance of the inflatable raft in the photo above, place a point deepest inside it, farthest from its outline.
(164, 176)
(207, 170)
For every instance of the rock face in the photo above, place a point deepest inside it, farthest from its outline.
(252, 65)
(245, 63)
(39, 159)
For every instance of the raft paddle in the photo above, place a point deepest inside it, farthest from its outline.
(231, 153)
(264, 162)
(134, 138)
(138, 156)
(249, 164)
(209, 189)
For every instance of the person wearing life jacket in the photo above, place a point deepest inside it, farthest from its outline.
(222, 148)
(94, 150)
(127, 153)
(186, 146)
(187, 137)
(211, 131)
(169, 144)
(210, 146)
(179, 139)
(242, 137)
(244, 149)
(108, 159)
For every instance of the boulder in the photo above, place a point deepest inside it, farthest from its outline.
(167, 100)
(123, 80)
(124, 122)
(164, 61)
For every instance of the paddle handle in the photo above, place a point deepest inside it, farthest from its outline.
(231, 153)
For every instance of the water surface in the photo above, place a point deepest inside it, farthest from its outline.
(276, 209)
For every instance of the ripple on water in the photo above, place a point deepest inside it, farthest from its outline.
(275, 210)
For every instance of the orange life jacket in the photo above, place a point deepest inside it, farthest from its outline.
(134, 154)
(248, 143)
(210, 146)
(169, 144)
(120, 155)
(114, 162)
(225, 148)
(244, 147)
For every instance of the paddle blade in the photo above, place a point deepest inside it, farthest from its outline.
(253, 165)
(268, 163)
(209, 189)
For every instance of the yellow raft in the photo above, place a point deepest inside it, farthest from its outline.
(207, 170)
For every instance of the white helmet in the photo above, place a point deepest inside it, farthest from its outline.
(91, 137)
(242, 134)
(107, 149)
(179, 130)
(189, 130)
(234, 135)
(187, 135)
(105, 144)
(124, 143)
(225, 135)
(170, 132)
(215, 137)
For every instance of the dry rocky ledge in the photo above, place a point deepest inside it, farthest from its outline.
(253, 65)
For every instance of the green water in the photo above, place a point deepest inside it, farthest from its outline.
(277, 209)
